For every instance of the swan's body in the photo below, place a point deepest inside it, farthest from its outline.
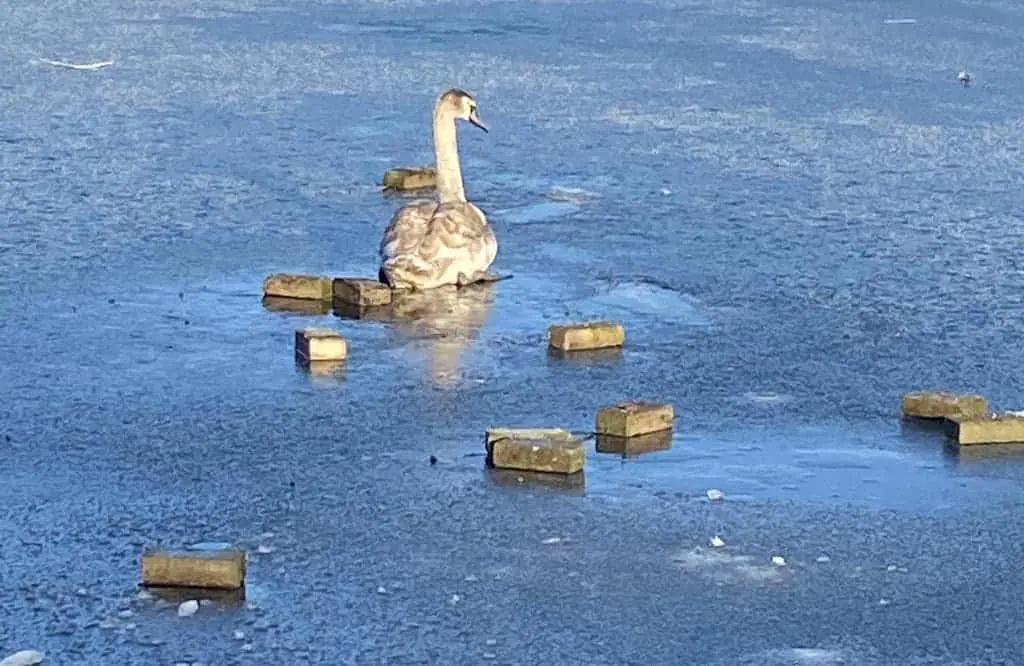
(448, 241)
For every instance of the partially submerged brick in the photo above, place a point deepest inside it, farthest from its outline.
(368, 312)
(410, 178)
(586, 335)
(554, 434)
(941, 404)
(178, 595)
(334, 369)
(586, 356)
(520, 477)
(988, 428)
(550, 455)
(289, 285)
(319, 344)
(629, 419)
(634, 446)
(224, 569)
(296, 305)
(361, 292)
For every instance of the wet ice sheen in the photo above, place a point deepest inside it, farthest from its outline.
(796, 212)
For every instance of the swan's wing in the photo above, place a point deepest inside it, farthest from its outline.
(408, 227)
(457, 226)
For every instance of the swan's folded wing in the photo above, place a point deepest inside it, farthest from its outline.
(459, 225)
(407, 229)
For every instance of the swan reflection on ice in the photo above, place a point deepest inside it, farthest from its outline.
(444, 320)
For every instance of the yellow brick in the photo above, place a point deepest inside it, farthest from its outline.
(217, 569)
(990, 428)
(319, 344)
(940, 404)
(629, 419)
(416, 178)
(311, 287)
(361, 292)
(555, 434)
(586, 335)
(557, 456)
(634, 446)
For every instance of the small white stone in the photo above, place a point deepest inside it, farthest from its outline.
(188, 608)
(80, 592)
(23, 658)
(264, 549)
(884, 602)
(239, 635)
(455, 599)
(823, 559)
(715, 495)
(891, 568)
(381, 590)
(778, 560)
(717, 541)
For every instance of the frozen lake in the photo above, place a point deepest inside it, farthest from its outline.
(794, 208)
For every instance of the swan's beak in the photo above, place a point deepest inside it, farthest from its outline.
(475, 119)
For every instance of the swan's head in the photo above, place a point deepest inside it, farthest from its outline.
(462, 106)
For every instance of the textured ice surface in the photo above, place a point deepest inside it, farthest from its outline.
(793, 207)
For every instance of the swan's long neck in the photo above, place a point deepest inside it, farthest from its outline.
(446, 154)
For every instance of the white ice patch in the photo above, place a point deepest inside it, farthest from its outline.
(538, 212)
(800, 656)
(725, 567)
(648, 298)
(767, 398)
(573, 195)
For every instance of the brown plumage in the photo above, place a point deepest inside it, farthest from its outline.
(448, 241)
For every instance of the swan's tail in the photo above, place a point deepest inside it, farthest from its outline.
(407, 271)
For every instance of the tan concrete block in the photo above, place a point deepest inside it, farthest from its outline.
(552, 455)
(312, 287)
(628, 447)
(629, 419)
(940, 404)
(555, 434)
(586, 335)
(223, 569)
(319, 344)
(989, 428)
(296, 305)
(361, 292)
(410, 178)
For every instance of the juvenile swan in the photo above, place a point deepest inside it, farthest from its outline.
(429, 244)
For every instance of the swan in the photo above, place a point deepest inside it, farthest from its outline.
(447, 241)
